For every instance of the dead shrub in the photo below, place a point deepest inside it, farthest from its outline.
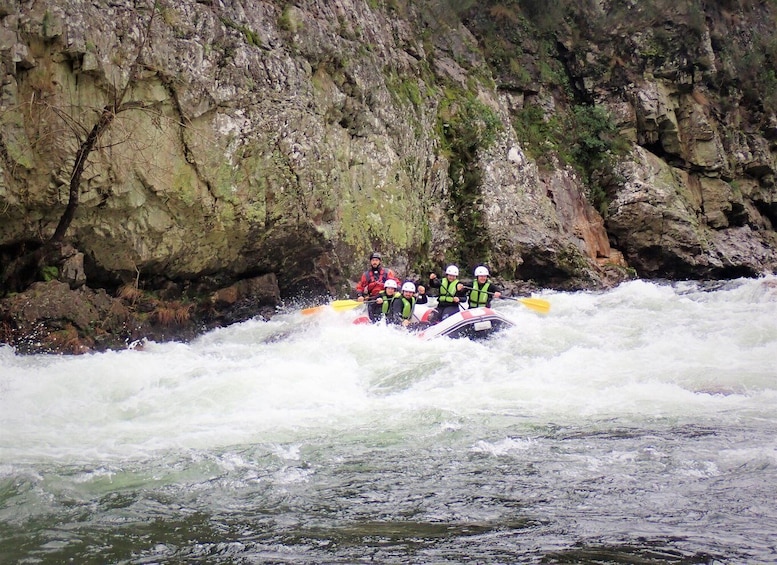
(172, 313)
(183, 313)
(164, 315)
(6, 332)
(501, 12)
(130, 293)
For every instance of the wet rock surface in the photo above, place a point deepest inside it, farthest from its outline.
(50, 317)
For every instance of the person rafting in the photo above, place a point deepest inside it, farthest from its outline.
(402, 309)
(482, 290)
(451, 294)
(372, 283)
(420, 293)
(385, 303)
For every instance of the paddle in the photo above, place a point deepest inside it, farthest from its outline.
(336, 305)
(536, 304)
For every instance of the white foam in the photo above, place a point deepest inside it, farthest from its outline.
(641, 351)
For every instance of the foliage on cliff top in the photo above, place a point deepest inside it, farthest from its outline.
(525, 38)
(555, 56)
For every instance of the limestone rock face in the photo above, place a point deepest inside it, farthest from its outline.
(294, 138)
(681, 206)
(268, 137)
(670, 224)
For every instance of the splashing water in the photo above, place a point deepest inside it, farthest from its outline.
(630, 425)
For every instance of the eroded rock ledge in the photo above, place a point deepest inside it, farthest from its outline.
(50, 317)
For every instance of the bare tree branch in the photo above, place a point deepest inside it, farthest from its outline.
(22, 271)
(107, 118)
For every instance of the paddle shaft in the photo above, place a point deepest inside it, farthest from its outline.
(491, 293)
(336, 305)
(537, 304)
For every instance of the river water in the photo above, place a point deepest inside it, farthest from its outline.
(631, 426)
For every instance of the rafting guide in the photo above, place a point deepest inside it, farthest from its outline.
(372, 283)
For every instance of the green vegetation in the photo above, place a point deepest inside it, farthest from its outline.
(595, 145)
(47, 24)
(49, 273)
(538, 133)
(465, 125)
(551, 51)
(586, 138)
(404, 89)
(287, 21)
(459, 6)
(756, 71)
(252, 38)
(746, 62)
(547, 15)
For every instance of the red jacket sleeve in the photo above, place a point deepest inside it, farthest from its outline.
(362, 286)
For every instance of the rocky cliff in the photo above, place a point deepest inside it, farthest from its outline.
(570, 144)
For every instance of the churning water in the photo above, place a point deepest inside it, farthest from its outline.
(631, 426)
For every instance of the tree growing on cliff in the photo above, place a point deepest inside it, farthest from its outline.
(23, 271)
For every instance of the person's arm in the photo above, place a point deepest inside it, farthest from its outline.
(434, 281)
(361, 288)
(462, 292)
(421, 297)
(493, 292)
(467, 291)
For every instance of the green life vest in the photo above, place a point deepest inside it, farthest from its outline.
(479, 295)
(447, 290)
(387, 300)
(407, 308)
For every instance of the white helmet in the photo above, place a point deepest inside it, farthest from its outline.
(391, 283)
(452, 270)
(481, 271)
(408, 287)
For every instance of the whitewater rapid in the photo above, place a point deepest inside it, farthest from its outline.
(601, 423)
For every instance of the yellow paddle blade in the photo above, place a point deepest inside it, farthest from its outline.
(336, 305)
(536, 304)
(341, 305)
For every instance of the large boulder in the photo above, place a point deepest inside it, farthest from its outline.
(671, 225)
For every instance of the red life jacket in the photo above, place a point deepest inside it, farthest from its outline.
(374, 284)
